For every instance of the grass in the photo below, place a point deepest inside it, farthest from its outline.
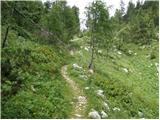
(32, 86)
(132, 92)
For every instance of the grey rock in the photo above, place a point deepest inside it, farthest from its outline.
(140, 114)
(103, 114)
(100, 93)
(106, 105)
(94, 115)
(86, 88)
(77, 115)
(100, 51)
(91, 71)
(119, 52)
(125, 70)
(116, 109)
(76, 66)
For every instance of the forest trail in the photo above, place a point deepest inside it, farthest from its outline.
(80, 100)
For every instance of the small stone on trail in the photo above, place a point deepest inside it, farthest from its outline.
(76, 66)
(148, 56)
(119, 52)
(103, 114)
(86, 88)
(77, 115)
(106, 105)
(116, 109)
(80, 53)
(83, 76)
(33, 89)
(130, 52)
(81, 99)
(142, 47)
(91, 71)
(72, 103)
(100, 51)
(157, 66)
(86, 48)
(94, 115)
(115, 50)
(71, 52)
(100, 93)
(140, 114)
(125, 70)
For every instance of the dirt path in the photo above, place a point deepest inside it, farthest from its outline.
(80, 100)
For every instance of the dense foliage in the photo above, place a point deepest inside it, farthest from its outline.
(141, 22)
(32, 86)
(62, 21)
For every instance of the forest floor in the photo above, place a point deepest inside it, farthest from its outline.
(80, 100)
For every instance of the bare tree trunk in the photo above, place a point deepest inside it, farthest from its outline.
(92, 43)
(5, 37)
(92, 55)
(92, 52)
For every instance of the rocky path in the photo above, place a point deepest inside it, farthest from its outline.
(80, 100)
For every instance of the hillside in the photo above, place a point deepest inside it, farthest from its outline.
(52, 69)
(127, 77)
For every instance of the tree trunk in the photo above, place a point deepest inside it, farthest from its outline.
(5, 37)
(92, 43)
(91, 62)
(92, 52)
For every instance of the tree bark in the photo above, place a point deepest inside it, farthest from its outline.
(5, 37)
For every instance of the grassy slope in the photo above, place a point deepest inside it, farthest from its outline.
(32, 86)
(132, 92)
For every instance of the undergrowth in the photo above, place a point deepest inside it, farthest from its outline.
(32, 86)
